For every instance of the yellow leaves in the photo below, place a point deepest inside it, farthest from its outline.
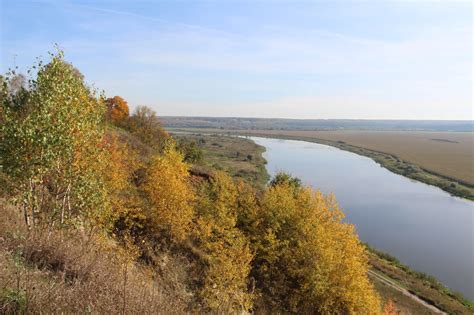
(227, 253)
(225, 280)
(169, 193)
(122, 163)
(306, 257)
(53, 138)
(219, 200)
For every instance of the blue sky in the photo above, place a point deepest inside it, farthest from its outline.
(293, 59)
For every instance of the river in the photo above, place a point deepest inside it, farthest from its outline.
(421, 225)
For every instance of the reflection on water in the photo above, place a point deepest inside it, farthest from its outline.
(423, 226)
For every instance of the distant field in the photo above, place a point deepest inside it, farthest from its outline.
(236, 123)
(447, 153)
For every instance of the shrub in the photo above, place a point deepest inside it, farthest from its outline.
(307, 260)
(170, 196)
(224, 248)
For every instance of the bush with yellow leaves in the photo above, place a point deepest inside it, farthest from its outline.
(169, 193)
(307, 260)
(223, 247)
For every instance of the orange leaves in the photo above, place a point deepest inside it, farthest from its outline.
(389, 308)
(122, 162)
(117, 109)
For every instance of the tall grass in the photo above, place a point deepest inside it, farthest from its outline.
(74, 272)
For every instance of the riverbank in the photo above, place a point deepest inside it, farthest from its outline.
(239, 157)
(425, 287)
(222, 150)
(393, 163)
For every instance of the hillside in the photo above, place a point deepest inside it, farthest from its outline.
(413, 293)
(102, 212)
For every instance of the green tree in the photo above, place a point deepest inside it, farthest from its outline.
(285, 178)
(191, 151)
(54, 149)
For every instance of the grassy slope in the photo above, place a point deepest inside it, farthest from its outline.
(219, 151)
(77, 272)
(424, 286)
(241, 158)
(392, 162)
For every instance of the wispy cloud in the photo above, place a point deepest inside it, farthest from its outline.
(155, 60)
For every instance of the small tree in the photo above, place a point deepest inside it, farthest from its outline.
(117, 109)
(306, 258)
(225, 249)
(285, 179)
(169, 193)
(191, 151)
(52, 145)
(144, 124)
(126, 213)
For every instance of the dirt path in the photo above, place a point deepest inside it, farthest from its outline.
(405, 292)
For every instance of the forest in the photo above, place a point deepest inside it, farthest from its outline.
(102, 213)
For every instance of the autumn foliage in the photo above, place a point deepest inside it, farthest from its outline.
(169, 193)
(145, 125)
(389, 308)
(225, 248)
(306, 259)
(50, 144)
(117, 109)
(284, 249)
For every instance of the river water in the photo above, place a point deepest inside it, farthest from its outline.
(421, 225)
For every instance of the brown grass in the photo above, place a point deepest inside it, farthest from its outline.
(70, 272)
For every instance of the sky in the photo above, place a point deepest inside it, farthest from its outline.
(281, 59)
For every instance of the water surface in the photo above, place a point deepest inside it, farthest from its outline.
(422, 225)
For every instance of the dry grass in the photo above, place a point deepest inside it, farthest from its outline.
(69, 272)
(450, 154)
(412, 281)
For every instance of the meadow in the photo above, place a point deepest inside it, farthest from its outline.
(241, 158)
